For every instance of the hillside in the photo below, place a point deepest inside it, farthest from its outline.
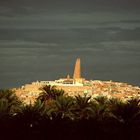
(29, 92)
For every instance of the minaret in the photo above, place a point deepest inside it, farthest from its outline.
(77, 69)
(68, 77)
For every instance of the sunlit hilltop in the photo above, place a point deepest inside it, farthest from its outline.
(77, 85)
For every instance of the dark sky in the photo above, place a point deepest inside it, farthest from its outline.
(40, 40)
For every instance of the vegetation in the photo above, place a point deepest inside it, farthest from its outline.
(49, 93)
(58, 116)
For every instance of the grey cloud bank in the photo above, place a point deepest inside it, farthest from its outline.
(40, 40)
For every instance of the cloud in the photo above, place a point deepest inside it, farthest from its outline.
(42, 39)
(66, 20)
(16, 43)
(66, 37)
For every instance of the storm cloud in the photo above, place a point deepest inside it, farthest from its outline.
(40, 40)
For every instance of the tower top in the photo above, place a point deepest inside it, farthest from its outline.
(68, 76)
(77, 69)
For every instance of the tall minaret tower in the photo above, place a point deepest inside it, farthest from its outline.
(77, 69)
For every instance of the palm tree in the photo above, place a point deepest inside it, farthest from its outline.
(32, 112)
(127, 115)
(9, 106)
(125, 111)
(100, 107)
(9, 101)
(63, 106)
(49, 92)
(82, 108)
(101, 100)
(30, 119)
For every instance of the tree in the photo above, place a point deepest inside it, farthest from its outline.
(9, 102)
(125, 111)
(49, 92)
(101, 100)
(100, 107)
(128, 116)
(82, 108)
(63, 106)
(29, 121)
(9, 106)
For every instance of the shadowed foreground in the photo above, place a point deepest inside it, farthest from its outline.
(57, 116)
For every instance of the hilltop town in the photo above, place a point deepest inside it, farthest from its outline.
(79, 86)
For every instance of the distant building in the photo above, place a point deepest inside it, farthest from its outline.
(77, 72)
(77, 69)
(79, 86)
(77, 80)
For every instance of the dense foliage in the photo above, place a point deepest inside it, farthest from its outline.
(58, 116)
